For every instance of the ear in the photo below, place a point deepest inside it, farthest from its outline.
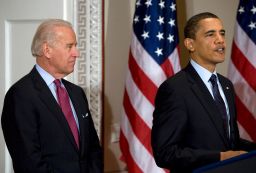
(46, 50)
(189, 44)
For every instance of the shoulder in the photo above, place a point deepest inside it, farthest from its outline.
(23, 85)
(175, 81)
(21, 93)
(175, 85)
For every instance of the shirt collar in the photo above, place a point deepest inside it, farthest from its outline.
(48, 78)
(202, 72)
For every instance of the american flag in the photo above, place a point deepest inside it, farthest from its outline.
(242, 70)
(153, 58)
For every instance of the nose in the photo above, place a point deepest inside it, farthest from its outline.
(220, 39)
(76, 52)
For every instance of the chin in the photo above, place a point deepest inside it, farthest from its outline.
(67, 72)
(71, 71)
(220, 59)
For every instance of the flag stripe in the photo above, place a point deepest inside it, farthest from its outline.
(171, 65)
(243, 91)
(141, 130)
(143, 160)
(147, 87)
(167, 67)
(129, 160)
(243, 132)
(240, 61)
(174, 60)
(139, 102)
(244, 116)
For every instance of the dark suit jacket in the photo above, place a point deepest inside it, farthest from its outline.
(37, 134)
(187, 127)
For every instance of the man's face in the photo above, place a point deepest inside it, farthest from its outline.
(63, 53)
(209, 43)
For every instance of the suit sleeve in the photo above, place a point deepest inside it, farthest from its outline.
(170, 121)
(20, 129)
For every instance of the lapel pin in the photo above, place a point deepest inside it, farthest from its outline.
(86, 115)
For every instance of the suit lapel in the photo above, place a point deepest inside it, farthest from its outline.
(48, 99)
(204, 96)
(228, 92)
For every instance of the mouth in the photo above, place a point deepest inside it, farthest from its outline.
(72, 62)
(220, 50)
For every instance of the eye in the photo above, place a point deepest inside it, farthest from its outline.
(209, 34)
(222, 33)
(69, 46)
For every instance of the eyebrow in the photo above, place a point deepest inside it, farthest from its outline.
(71, 44)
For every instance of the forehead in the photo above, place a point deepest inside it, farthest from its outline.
(210, 24)
(65, 33)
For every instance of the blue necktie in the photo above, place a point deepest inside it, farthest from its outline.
(219, 103)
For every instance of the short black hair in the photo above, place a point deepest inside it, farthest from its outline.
(191, 26)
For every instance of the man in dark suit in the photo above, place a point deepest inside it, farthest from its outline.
(41, 136)
(190, 129)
